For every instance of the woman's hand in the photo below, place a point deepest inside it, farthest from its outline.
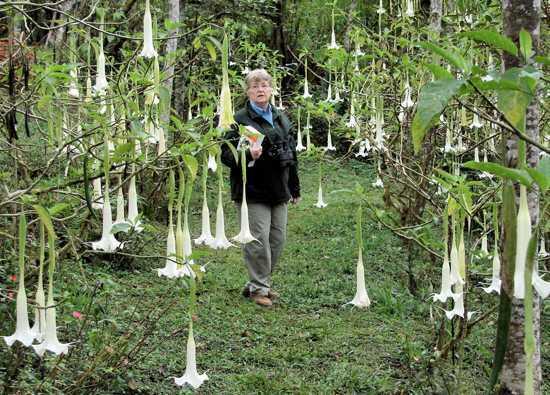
(255, 151)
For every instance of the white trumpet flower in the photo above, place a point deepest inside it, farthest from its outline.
(495, 279)
(39, 328)
(162, 141)
(306, 94)
(542, 248)
(23, 331)
(378, 183)
(244, 235)
(108, 242)
(206, 234)
(51, 342)
(120, 219)
(449, 141)
(170, 270)
(476, 123)
(148, 50)
(364, 148)
(458, 306)
(329, 146)
(361, 298)
(541, 286)
(455, 275)
(446, 291)
(212, 165)
(73, 86)
(299, 145)
(523, 237)
(133, 215)
(329, 93)
(101, 83)
(191, 376)
(409, 12)
(187, 246)
(333, 44)
(225, 105)
(352, 121)
(97, 197)
(407, 101)
(320, 202)
(220, 241)
(358, 51)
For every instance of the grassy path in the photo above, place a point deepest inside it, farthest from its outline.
(307, 343)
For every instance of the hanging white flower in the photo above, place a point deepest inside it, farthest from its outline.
(476, 122)
(212, 165)
(378, 183)
(101, 83)
(320, 202)
(523, 237)
(108, 242)
(51, 342)
(23, 331)
(361, 298)
(148, 50)
(358, 52)
(306, 94)
(244, 235)
(220, 240)
(73, 86)
(542, 248)
(352, 121)
(410, 9)
(329, 146)
(364, 148)
(495, 279)
(446, 291)
(133, 214)
(191, 376)
(97, 196)
(448, 140)
(170, 270)
(407, 101)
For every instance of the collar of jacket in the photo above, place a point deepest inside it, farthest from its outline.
(255, 116)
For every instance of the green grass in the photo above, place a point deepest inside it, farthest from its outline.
(309, 342)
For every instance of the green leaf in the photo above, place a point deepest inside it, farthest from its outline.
(519, 175)
(513, 101)
(45, 218)
(543, 60)
(233, 151)
(453, 58)
(121, 227)
(211, 50)
(525, 44)
(58, 208)
(440, 73)
(192, 165)
(197, 42)
(541, 175)
(493, 39)
(432, 101)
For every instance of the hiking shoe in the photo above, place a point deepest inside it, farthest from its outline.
(246, 292)
(271, 294)
(261, 300)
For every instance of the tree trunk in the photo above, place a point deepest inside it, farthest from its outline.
(170, 58)
(436, 10)
(349, 24)
(518, 14)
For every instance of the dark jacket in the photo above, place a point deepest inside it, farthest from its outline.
(266, 180)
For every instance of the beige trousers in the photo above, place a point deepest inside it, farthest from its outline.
(268, 225)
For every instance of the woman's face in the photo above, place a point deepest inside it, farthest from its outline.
(259, 92)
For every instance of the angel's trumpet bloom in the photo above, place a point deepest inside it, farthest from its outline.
(133, 215)
(333, 44)
(455, 274)
(409, 12)
(108, 242)
(307, 128)
(352, 121)
(407, 101)
(358, 51)
(523, 237)
(23, 331)
(329, 146)
(449, 141)
(299, 145)
(191, 376)
(39, 327)
(476, 123)
(244, 235)
(120, 207)
(484, 248)
(364, 148)
(446, 291)
(51, 342)
(378, 183)
(205, 237)
(320, 202)
(226, 106)
(170, 270)
(306, 94)
(161, 141)
(542, 248)
(187, 246)
(329, 93)
(73, 86)
(97, 197)
(148, 50)
(458, 304)
(495, 280)
(361, 298)
(220, 241)
(542, 287)
(212, 165)
(101, 83)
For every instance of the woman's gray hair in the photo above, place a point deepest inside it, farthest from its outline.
(257, 75)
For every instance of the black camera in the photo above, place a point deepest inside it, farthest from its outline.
(282, 153)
